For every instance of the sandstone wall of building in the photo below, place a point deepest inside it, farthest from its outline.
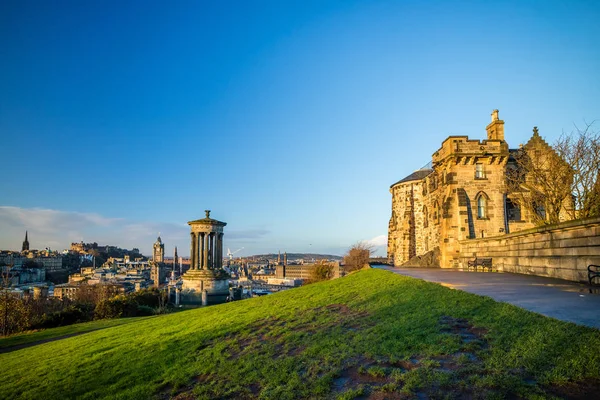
(401, 240)
(463, 196)
(560, 251)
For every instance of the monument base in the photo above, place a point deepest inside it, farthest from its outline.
(204, 287)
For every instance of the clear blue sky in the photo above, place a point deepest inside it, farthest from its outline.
(289, 120)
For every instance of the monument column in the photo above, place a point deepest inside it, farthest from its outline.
(192, 252)
(220, 250)
(205, 255)
(202, 250)
(198, 250)
(211, 262)
(210, 265)
(217, 250)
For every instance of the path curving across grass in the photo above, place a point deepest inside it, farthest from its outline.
(371, 334)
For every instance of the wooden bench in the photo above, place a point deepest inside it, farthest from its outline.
(593, 272)
(480, 262)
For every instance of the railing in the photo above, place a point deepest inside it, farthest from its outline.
(593, 272)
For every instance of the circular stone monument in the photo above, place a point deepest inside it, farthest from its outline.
(205, 282)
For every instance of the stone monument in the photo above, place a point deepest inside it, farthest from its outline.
(205, 282)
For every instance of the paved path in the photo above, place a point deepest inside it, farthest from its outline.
(564, 300)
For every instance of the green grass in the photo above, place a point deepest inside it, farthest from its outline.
(370, 332)
(53, 333)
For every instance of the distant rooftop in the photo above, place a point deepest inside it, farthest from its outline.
(415, 176)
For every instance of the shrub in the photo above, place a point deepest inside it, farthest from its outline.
(70, 315)
(145, 310)
(116, 307)
(322, 271)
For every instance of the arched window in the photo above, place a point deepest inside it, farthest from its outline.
(482, 201)
(425, 217)
(436, 212)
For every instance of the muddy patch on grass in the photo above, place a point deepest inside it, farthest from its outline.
(269, 334)
(216, 387)
(439, 375)
(472, 339)
(184, 392)
(588, 389)
(461, 327)
(368, 379)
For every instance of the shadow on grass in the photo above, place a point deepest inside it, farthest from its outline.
(25, 344)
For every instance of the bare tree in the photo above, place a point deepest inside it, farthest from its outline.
(540, 181)
(357, 256)
(5, 276)
(14, 314)
(581, 150)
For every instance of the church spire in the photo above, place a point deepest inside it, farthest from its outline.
(25, 246)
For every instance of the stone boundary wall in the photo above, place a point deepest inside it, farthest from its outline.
(561, 250)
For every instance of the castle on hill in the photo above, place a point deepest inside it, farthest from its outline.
(463, 195)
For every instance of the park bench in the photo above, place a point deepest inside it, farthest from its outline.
(480, 262)
(593, 272)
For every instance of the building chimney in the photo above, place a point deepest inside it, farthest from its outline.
(495, 130)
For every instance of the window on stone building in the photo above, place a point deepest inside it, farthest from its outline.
(436, 212)
(513, 211)
(425, 217)
(479, 171)
(540, 210)
(482, 206)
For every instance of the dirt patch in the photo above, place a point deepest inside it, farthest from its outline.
(388, 396)
(268, 336)
(371, 377)
(471, 337)
(272, 331)
(402, 365)
(185, 392)
(588, 389)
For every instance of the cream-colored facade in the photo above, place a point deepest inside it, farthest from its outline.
(463, 195)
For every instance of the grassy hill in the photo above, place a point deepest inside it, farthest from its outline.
(372, 334)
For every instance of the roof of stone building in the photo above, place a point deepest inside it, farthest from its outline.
(536, 140)
(415, 176)
(207, 221)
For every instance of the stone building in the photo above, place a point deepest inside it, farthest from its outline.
(157, 274)
(158, 252)
(462, 195)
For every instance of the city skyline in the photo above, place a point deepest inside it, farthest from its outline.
(289, 122)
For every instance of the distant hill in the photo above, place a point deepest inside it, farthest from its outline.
(296, 256)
